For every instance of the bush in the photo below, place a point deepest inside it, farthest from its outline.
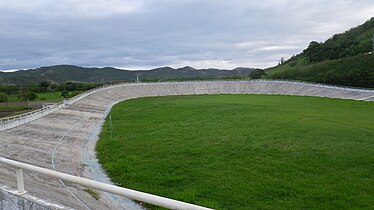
(65, 94)
(32, 96)
(3, 97)
(257, 74)
(71, 86)
(45, 85)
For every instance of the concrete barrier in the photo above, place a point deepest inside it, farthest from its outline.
(12, 201)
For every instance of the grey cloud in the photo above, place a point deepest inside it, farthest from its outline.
(149, 33)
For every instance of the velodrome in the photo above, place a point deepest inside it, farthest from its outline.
(64, 140)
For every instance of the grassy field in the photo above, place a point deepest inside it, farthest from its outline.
(46, 96)
(244, 151)
(50, 96)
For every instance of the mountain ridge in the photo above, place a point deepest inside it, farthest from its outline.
(64, 73)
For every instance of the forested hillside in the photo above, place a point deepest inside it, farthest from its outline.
(64, 73)
(343, 59)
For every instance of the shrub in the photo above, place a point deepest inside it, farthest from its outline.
(3, 97)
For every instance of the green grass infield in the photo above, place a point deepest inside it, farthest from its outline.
(244, 151)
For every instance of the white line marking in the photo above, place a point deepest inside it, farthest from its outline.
(361, 99)
(53, 160)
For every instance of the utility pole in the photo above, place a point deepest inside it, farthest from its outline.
(137, 78)
(372, 52)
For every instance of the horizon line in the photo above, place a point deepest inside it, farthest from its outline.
(124, 69)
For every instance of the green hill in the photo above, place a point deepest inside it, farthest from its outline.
(343, 59)
(64, 73)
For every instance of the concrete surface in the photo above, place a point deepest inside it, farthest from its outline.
(65, 139)
(11, 201)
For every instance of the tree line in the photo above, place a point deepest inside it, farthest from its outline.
(29, 92)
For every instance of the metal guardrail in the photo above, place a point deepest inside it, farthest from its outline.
(38, 111)
(132, 194)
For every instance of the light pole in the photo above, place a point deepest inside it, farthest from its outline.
(372, 39)
(137, 78)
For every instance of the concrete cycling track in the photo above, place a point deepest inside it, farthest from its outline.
(65, 139)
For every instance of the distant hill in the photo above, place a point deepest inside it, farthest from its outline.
(343, 59)
(64, 73)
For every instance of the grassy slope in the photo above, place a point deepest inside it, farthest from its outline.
(340, 60)
(355, 71)
(50, 96)
(244, 151)
(46, 96)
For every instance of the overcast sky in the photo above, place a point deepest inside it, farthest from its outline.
(141, 34)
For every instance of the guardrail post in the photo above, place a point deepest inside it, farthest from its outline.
(20, 183)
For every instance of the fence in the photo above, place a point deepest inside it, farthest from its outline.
(11, 122)
(315, 84)
(132, 194)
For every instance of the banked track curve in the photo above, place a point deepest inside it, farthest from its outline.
(35, 141)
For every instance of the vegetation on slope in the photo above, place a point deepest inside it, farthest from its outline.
(342, 60)
(353, 42)
(355, 71)
(244, 151)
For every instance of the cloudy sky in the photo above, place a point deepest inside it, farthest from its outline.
(141, 34)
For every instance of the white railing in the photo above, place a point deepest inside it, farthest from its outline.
(316, 84)
(13, 121)
(94, 90)
(128, 193)
(45, 109)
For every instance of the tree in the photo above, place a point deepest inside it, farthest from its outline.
(3, 97)
(65, 94)
(257, 74)
(44, 85)
(27, 96)
(71, 86)
(31, 96)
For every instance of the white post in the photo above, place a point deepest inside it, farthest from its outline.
(132, 194)
(111, 127)
(20, 183)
